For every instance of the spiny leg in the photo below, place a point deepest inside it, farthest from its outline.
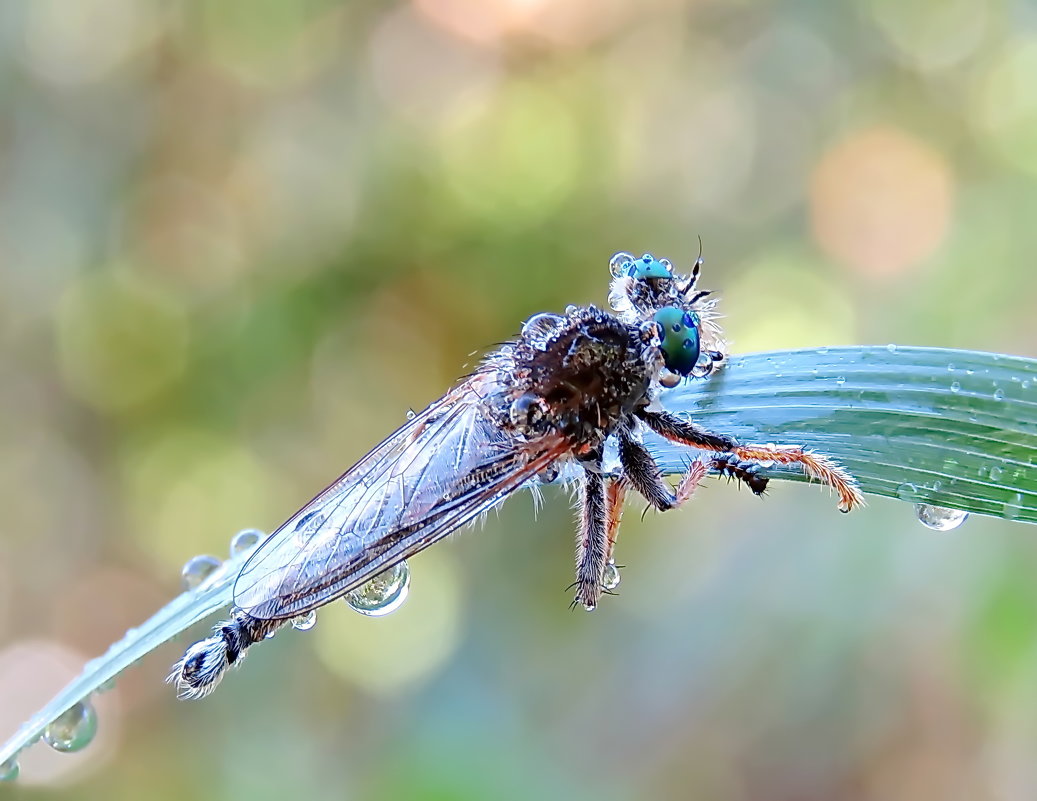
(643, 474)
(592, 544)
(815, 465)
(729, 465)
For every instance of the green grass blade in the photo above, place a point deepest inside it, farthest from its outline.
(945, 427)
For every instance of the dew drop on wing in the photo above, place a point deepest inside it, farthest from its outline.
(383, 594)
(305, 622)
(73, 729)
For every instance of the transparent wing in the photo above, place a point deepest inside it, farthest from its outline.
(437, 472)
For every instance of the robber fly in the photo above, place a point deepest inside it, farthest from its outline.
(553, 396)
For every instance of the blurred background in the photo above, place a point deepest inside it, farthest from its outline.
(240, 238)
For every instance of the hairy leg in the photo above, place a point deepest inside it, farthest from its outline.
(643, 474)
(592, 545)
(815, 465)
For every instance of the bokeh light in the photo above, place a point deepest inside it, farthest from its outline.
(239, 239)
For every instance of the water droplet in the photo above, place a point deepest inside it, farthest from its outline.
(198, 569)
(411, 414)
(1014, 507)
(610, 578)
(822, 351)
(383, 594)
(939, 518)
(995, 473)
(907, 492)
(999, 394)
(669, 379)
(305, 622)
(1025, 384)
(704, 366)
(950, 367)
(72, 730)
(9, 770)
(245, 541)
(618, 262)
(539, 328)
(571, 309)
(840, 380)
(891, 348)
(955, 386)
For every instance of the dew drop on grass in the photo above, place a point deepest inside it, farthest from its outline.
(72, 730)
(907, 492)
(955, 386)
(999, 394)
(9, 770)
(939, 518)
(305, 622)
(383, 594)
(197, 569)
(610, 577)
(996, 473)
(1014, 506)
(245, 541)
(840, 381)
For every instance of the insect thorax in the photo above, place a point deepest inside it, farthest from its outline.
(579, 375)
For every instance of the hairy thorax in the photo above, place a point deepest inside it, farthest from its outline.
(579, 375)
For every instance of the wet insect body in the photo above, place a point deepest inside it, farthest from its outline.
(554, 395)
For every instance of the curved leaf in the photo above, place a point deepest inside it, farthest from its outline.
(945, 427)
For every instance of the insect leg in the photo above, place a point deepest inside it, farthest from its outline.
(815, 465)
(592, 540)
(205, 663)
(643, 474)
(615, 495)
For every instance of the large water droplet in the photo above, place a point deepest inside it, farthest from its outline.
(9, 770)
(540, 327)
(305, 622)
(197, 569)
(72, 730)
(891, 348)
(245, 541)
(996, 473)
(610, 578)
(618, 263)
(383, 594)
(704, 366)
(955, 386)
(939, 518)
(999, 394)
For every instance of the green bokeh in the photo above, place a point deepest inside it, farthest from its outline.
(239, 240)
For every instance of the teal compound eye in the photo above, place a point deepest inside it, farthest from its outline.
(681, 342)
(649, 267)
